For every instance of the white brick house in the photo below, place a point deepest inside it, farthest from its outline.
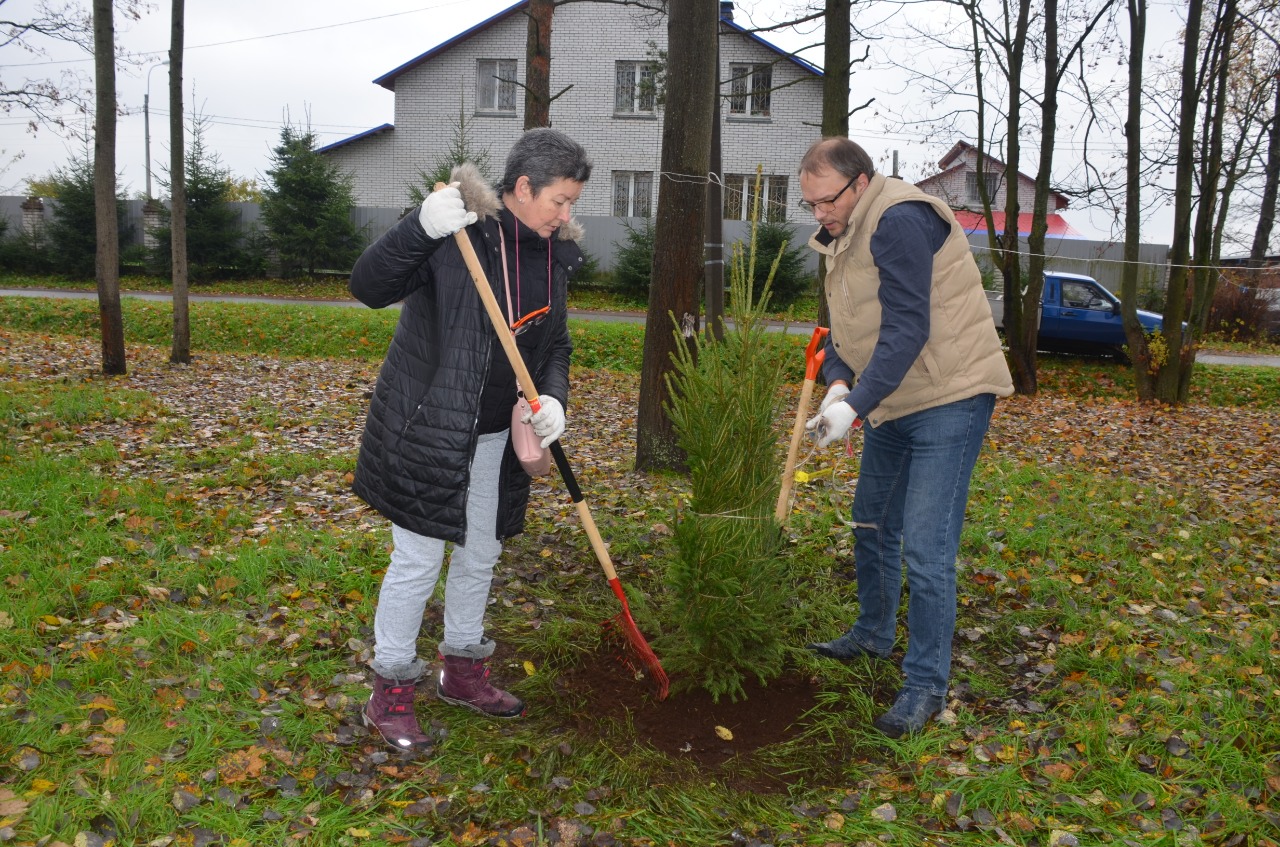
(605, 52)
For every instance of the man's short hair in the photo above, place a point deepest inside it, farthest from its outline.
(841, 155)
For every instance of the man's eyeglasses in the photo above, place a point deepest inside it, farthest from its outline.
(530, 320)
(826, 205)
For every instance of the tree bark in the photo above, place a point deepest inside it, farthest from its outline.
(835, 104)
(1139, 352)
(1180, 277)
(537, 73)
(181, 352)
(678, 253)
(1021, 297)
(1205, 278)
(107, 224)
(1271, 183)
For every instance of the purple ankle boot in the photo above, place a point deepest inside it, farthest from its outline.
(390, 712)
(465, 682)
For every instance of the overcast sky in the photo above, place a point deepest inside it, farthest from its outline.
(251, 63)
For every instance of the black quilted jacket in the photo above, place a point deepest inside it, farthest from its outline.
(420, 433)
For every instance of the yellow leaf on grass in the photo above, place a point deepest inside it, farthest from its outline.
(835, 820)
(1077, 579)
(42, 786)
(115, 726)
(529, 669)
(6, 622)
(240, 765)
(724, 733)
(356, 832)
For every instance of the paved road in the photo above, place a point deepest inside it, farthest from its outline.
(615, 317)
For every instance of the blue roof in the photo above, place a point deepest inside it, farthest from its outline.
(388, 79)
(366, 134)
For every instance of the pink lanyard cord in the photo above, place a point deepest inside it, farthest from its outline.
(502, 240)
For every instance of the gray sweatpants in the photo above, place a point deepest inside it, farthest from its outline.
(415, 566)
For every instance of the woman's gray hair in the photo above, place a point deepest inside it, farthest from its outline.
(544, 155)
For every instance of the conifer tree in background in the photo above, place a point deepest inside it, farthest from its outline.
(213, 227)
(728, 588)
(71, 234)
(306, 206)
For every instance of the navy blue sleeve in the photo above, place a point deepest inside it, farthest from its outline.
(903, 246)
(833, 367)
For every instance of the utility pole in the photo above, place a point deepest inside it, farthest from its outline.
(146, 121)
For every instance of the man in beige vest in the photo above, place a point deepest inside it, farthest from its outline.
(913, 352)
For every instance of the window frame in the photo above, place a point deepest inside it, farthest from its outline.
(972, 197)
(641, 100)
(739, 192)
(750, 90)
(504, 88)
(633, 195)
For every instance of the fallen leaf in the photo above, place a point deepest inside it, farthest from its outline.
(725, 733)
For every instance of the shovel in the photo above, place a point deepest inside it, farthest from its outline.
(623, 620)
(813, 356)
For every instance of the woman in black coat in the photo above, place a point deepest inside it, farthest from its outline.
(436, 456)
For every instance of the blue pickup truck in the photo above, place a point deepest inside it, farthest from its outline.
(1077, 315)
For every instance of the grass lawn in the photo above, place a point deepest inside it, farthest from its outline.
(189, 588)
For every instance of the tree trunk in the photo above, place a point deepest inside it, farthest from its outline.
(537, 73)
(1021, 297)
(1205, 277)
(1139, 352)
(835, 105)
(181, 352)
(1267, 218)
(682, 208)
(1175, 307)
(107, 224)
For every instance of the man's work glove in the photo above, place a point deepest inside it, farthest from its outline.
(832, 425)
(443, 212)
(548, 421)
(838, 391)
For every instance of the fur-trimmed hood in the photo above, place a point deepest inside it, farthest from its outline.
(480, 197)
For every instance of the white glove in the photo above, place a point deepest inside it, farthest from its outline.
(443, 212)
(833, 424)
(548, 421)
(836, 392)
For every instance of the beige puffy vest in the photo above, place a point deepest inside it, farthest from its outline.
(962, 357)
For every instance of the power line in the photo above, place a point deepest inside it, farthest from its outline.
(154, 53)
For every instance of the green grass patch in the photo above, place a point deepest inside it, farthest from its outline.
(186, 621)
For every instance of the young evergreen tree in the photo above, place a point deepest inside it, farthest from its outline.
(71, 234)
(213, 227)
(728, 587)
(461, 149)
(306, 206)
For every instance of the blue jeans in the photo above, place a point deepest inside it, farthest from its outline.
(909, 505)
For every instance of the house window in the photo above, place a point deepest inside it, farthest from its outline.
(632, 194)
(749, 87)
(635, 93)
(496, 85)
(739, 197)
(971, 187)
